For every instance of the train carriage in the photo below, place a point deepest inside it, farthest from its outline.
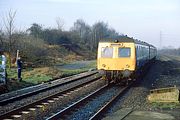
(121, 58)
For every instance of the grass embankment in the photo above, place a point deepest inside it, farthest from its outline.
(33, 76)
(166, 105)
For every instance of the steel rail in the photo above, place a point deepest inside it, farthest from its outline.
(21, 96)
(33, 104)
(68, 109)
(99, 114)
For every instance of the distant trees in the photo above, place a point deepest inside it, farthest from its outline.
(169, 51)
(60, 23)
(100, 31)
(1, 37)
(41, 44)
(90, 36)
(35, 30)
(81, 34)
(83, 31)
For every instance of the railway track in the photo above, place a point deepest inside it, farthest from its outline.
(30, 109)
(93, 106)
(41, 88)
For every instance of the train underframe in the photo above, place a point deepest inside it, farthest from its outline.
(124, 76)
(119, 77)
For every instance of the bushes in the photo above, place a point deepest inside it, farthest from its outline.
(46, 46)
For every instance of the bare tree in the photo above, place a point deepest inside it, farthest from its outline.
(83, 30)
(10, 28)
(1, 37)
(60, 23)
(8, 21)
(100, 31)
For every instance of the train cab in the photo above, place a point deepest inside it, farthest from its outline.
(120, 59)
(116, 58)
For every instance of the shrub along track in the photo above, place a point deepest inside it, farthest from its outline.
(49, 94)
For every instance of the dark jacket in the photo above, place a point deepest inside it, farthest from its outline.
(19, 64)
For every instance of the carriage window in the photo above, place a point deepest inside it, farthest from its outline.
(107, 52)
(124, 52)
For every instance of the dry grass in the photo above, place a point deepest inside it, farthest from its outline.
(38, 71)
(32, 76)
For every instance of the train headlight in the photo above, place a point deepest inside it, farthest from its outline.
(127, 66)
(103, 65)
(126, 73)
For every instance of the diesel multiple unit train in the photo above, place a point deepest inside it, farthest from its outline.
(122, 59)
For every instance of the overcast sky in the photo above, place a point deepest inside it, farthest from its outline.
(141, 19)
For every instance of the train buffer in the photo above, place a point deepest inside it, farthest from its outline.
(170, 94)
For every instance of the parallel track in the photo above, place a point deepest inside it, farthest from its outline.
(43, 89)
(100, 113)
(18, 111)
(83, 103)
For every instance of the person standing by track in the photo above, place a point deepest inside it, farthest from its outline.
(19, 68)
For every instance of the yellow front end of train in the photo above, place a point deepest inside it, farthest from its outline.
(116, 59)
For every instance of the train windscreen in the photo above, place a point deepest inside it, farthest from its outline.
(107, 52)
(124, 52)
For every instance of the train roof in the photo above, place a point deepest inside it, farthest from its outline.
(125, 39)
(119, 39)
